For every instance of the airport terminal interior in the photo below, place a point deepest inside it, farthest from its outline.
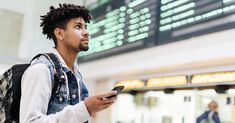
(174, 57)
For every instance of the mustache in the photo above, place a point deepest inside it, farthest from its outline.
(84, 39)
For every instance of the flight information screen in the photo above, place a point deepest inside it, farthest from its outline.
(119, 26)
(186, 18)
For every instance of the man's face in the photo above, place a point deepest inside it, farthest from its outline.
(213, 106)
(76, 35)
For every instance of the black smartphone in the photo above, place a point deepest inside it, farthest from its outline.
(118, 89)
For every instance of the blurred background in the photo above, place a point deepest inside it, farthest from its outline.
(173, 56)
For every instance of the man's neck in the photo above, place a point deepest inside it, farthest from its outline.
(68, 56)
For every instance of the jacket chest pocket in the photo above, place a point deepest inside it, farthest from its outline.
(61, 96)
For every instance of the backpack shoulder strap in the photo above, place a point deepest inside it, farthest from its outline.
(58, 75)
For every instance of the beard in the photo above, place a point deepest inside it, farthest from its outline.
(83, 48)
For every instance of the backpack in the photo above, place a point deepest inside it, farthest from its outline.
(10, 87)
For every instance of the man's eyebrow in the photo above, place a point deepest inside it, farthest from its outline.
(80, 23)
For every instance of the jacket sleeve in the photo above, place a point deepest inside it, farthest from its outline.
(216, 117)
(202, 117)
(36, 92)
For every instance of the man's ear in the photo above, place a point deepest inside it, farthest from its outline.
(59, 33)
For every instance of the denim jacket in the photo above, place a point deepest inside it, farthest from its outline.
(63, 97)
(205, 116)
(69, 93)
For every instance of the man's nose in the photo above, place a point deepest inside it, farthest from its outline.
(86, 33)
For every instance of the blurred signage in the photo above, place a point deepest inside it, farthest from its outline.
(131, 84)
(213, 77)
(167, 81)
(186, 18)
(120, 26)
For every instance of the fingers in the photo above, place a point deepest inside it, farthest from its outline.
(103, 104)
(94, 104)
(105, 100)
(101, 96)
(108, 100)
(107, 105)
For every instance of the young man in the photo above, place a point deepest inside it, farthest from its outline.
(66, 25)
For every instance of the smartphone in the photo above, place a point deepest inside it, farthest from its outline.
(118, 89)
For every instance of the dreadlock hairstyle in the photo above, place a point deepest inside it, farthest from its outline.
(59, 17)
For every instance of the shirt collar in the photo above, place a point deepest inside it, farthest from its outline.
(53, 50)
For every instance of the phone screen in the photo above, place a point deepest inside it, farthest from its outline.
(118, 89)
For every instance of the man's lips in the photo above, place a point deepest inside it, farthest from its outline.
(85, 41)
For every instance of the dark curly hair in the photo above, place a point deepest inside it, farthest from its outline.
(59, 17)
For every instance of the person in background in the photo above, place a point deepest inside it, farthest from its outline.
(66, 26)
(210, 116)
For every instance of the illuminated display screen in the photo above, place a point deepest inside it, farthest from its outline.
(186, 18)
(120, 26)
(213, 77)
(167, 81)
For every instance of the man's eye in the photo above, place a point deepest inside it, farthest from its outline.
(78, 27)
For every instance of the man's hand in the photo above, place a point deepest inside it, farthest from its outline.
(97, 103)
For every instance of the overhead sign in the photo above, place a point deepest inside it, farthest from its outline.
(121, 26)
(131, 84)
(167, 81)
(187, 18)
(213, 77)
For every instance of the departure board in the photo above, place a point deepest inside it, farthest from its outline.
(187, 18)
(119, 26)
